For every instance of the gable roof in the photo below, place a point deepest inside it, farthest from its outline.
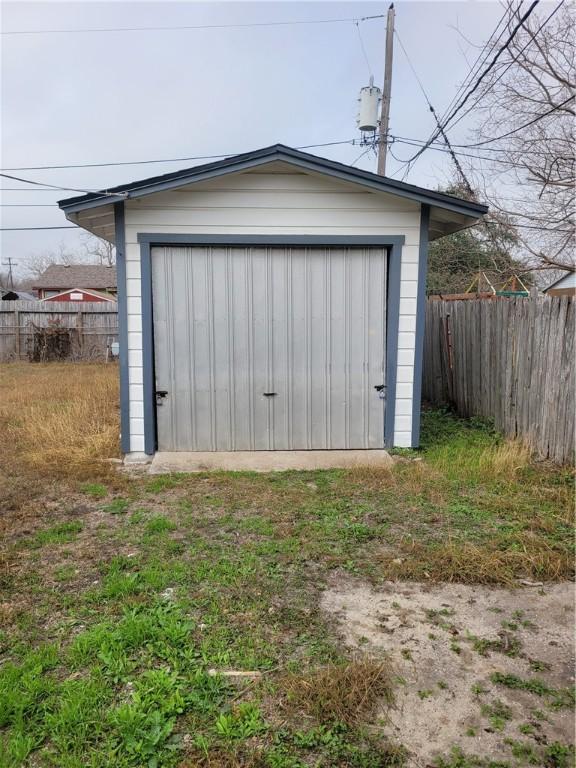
(276, 152)
(59, 276)
(87, 291)
(568, 280)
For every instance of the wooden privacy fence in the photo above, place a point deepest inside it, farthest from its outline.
(510, 360)
(92, 327)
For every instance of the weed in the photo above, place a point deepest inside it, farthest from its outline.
(58, 534)
(241, 722)
(117, 506)
(95, 490)
(558, 755)
(458, 759)
(425, 694)
(159, 524)
(538, 666)
(521, 750)
(558, 698)
(498, 714)
(455, 648)
(506, 643)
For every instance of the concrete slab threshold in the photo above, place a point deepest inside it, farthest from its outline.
(265, 461)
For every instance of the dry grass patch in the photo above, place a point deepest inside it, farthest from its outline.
(60, 418)
(61, 422)
(469, 563)
(220, 758)
(340, 693)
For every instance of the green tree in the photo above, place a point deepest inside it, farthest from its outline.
(454, 261)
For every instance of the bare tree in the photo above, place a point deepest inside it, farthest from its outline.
(36, 263)
(93, 251)
(98, 251)
(526, 136)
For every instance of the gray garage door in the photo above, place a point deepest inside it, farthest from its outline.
(269, 348)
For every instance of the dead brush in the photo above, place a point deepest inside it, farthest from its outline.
(339, 693)
(468, 563)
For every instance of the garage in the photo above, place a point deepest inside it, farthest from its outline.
(269, 348)
(271, 301)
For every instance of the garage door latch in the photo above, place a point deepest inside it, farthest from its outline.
(160, 395)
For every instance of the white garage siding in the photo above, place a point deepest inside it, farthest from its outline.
(275, 202)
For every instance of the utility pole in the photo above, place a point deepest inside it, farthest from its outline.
(386, 91)
(10, 263)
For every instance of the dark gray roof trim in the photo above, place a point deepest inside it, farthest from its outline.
(277, 152)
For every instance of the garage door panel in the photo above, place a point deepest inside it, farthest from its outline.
(231, 324)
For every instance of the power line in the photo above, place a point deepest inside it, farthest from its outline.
(455, 160)
(54, 186)
(521, 127)
(150, 162)
(184, 28)
(479, 79)
(27, 229)
(492, 64)
(363, 49)
(478, 62)
(422, 142)
(511, 63)
(437, 148)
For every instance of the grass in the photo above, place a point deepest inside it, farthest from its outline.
(127, 600)
(64, 419)
(340, 693)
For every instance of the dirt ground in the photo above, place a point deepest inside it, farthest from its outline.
(433, 634)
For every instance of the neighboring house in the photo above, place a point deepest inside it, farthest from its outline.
(59, 278)
(273, 300)
(81, 294)
(10, 294)
(565, 286)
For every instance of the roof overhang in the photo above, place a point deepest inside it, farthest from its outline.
(448, 213)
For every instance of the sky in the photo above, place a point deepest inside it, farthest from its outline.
(88, 97)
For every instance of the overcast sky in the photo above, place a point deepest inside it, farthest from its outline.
(122, 96)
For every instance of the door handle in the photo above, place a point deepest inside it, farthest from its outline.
(160, 395)
(269, 394)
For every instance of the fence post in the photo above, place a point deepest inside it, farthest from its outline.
(80, 329)
(17, 334)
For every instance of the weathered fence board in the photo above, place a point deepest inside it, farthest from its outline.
(95, 325)
(510, 360)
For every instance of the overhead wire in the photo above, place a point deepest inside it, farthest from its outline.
(446, 120)
(481, 58)
(455, 160)
(104, 193)
(363, 49)
(532, 38)
(188, 27)
(474, 68)
(161, 160)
